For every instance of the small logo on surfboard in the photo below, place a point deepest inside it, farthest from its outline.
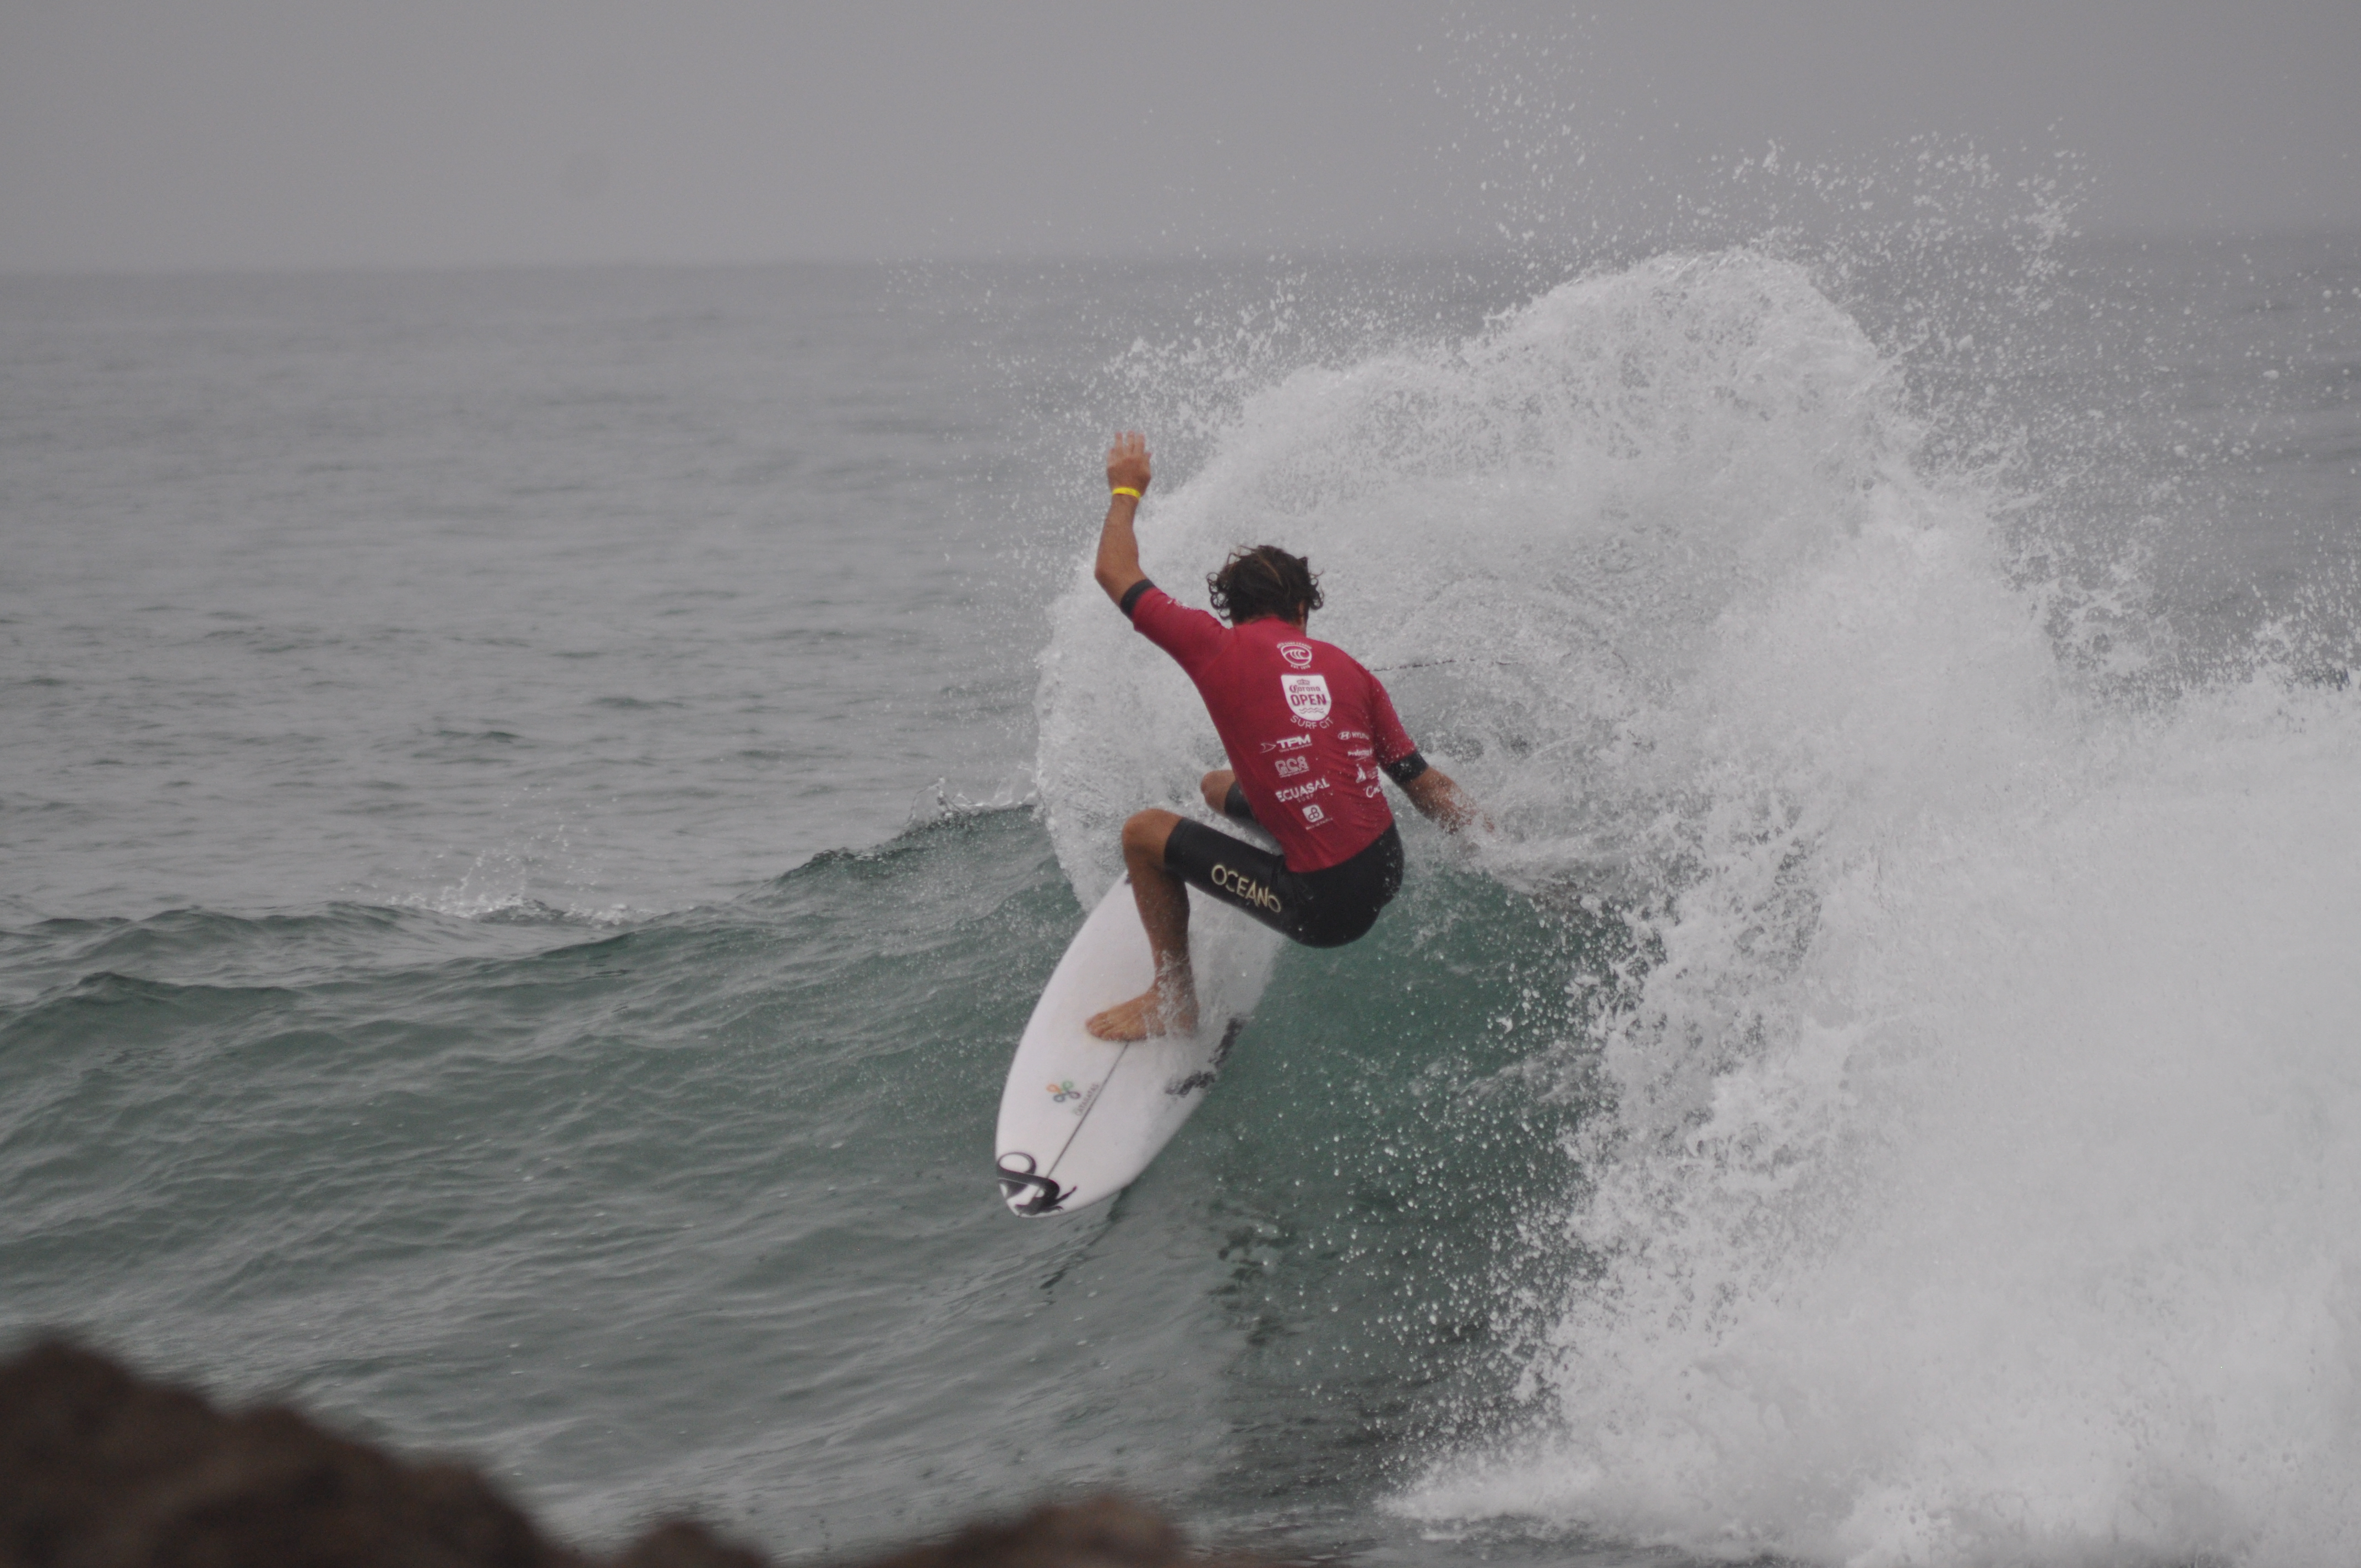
(1026, 1192)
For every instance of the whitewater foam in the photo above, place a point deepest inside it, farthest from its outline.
(2010, 1217)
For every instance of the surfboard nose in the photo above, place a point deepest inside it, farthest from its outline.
(1026, 1193)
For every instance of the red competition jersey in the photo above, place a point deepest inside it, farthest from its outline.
(1306, 727)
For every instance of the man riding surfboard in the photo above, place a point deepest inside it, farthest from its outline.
(1309, 733)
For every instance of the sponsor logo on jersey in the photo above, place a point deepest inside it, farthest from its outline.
(1290, 766)
(1307, 698)
(1245, 887)
(1285, 743)
(1314, 815)
(1304, 791)
(1296, 653)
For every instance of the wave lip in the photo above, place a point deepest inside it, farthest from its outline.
(1537, 528)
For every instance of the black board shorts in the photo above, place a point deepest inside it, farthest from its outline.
(1320, 909)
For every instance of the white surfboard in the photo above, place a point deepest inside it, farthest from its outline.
(1081, 1116)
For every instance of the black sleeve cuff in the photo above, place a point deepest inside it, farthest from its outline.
(1402, 770)
(1235, 802)
(1131, 596)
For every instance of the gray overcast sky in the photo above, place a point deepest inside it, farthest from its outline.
(175, 133)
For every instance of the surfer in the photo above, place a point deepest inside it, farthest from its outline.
(1308, 731)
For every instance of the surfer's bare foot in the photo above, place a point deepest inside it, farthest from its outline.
(1150, 1013)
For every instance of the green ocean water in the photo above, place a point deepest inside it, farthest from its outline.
(699, 1213)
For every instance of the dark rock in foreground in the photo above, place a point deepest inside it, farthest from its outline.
(100, 1468)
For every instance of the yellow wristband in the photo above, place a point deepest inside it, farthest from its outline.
(1123, 490)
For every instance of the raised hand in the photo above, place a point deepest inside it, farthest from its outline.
(1126, 466)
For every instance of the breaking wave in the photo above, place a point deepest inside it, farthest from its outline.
(1971, 1149)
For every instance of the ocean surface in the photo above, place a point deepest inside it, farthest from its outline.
(534, 805)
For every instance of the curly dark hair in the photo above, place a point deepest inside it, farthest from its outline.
(1263, 580)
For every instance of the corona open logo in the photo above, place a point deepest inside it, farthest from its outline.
(1307, 698)
(1245, 887)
